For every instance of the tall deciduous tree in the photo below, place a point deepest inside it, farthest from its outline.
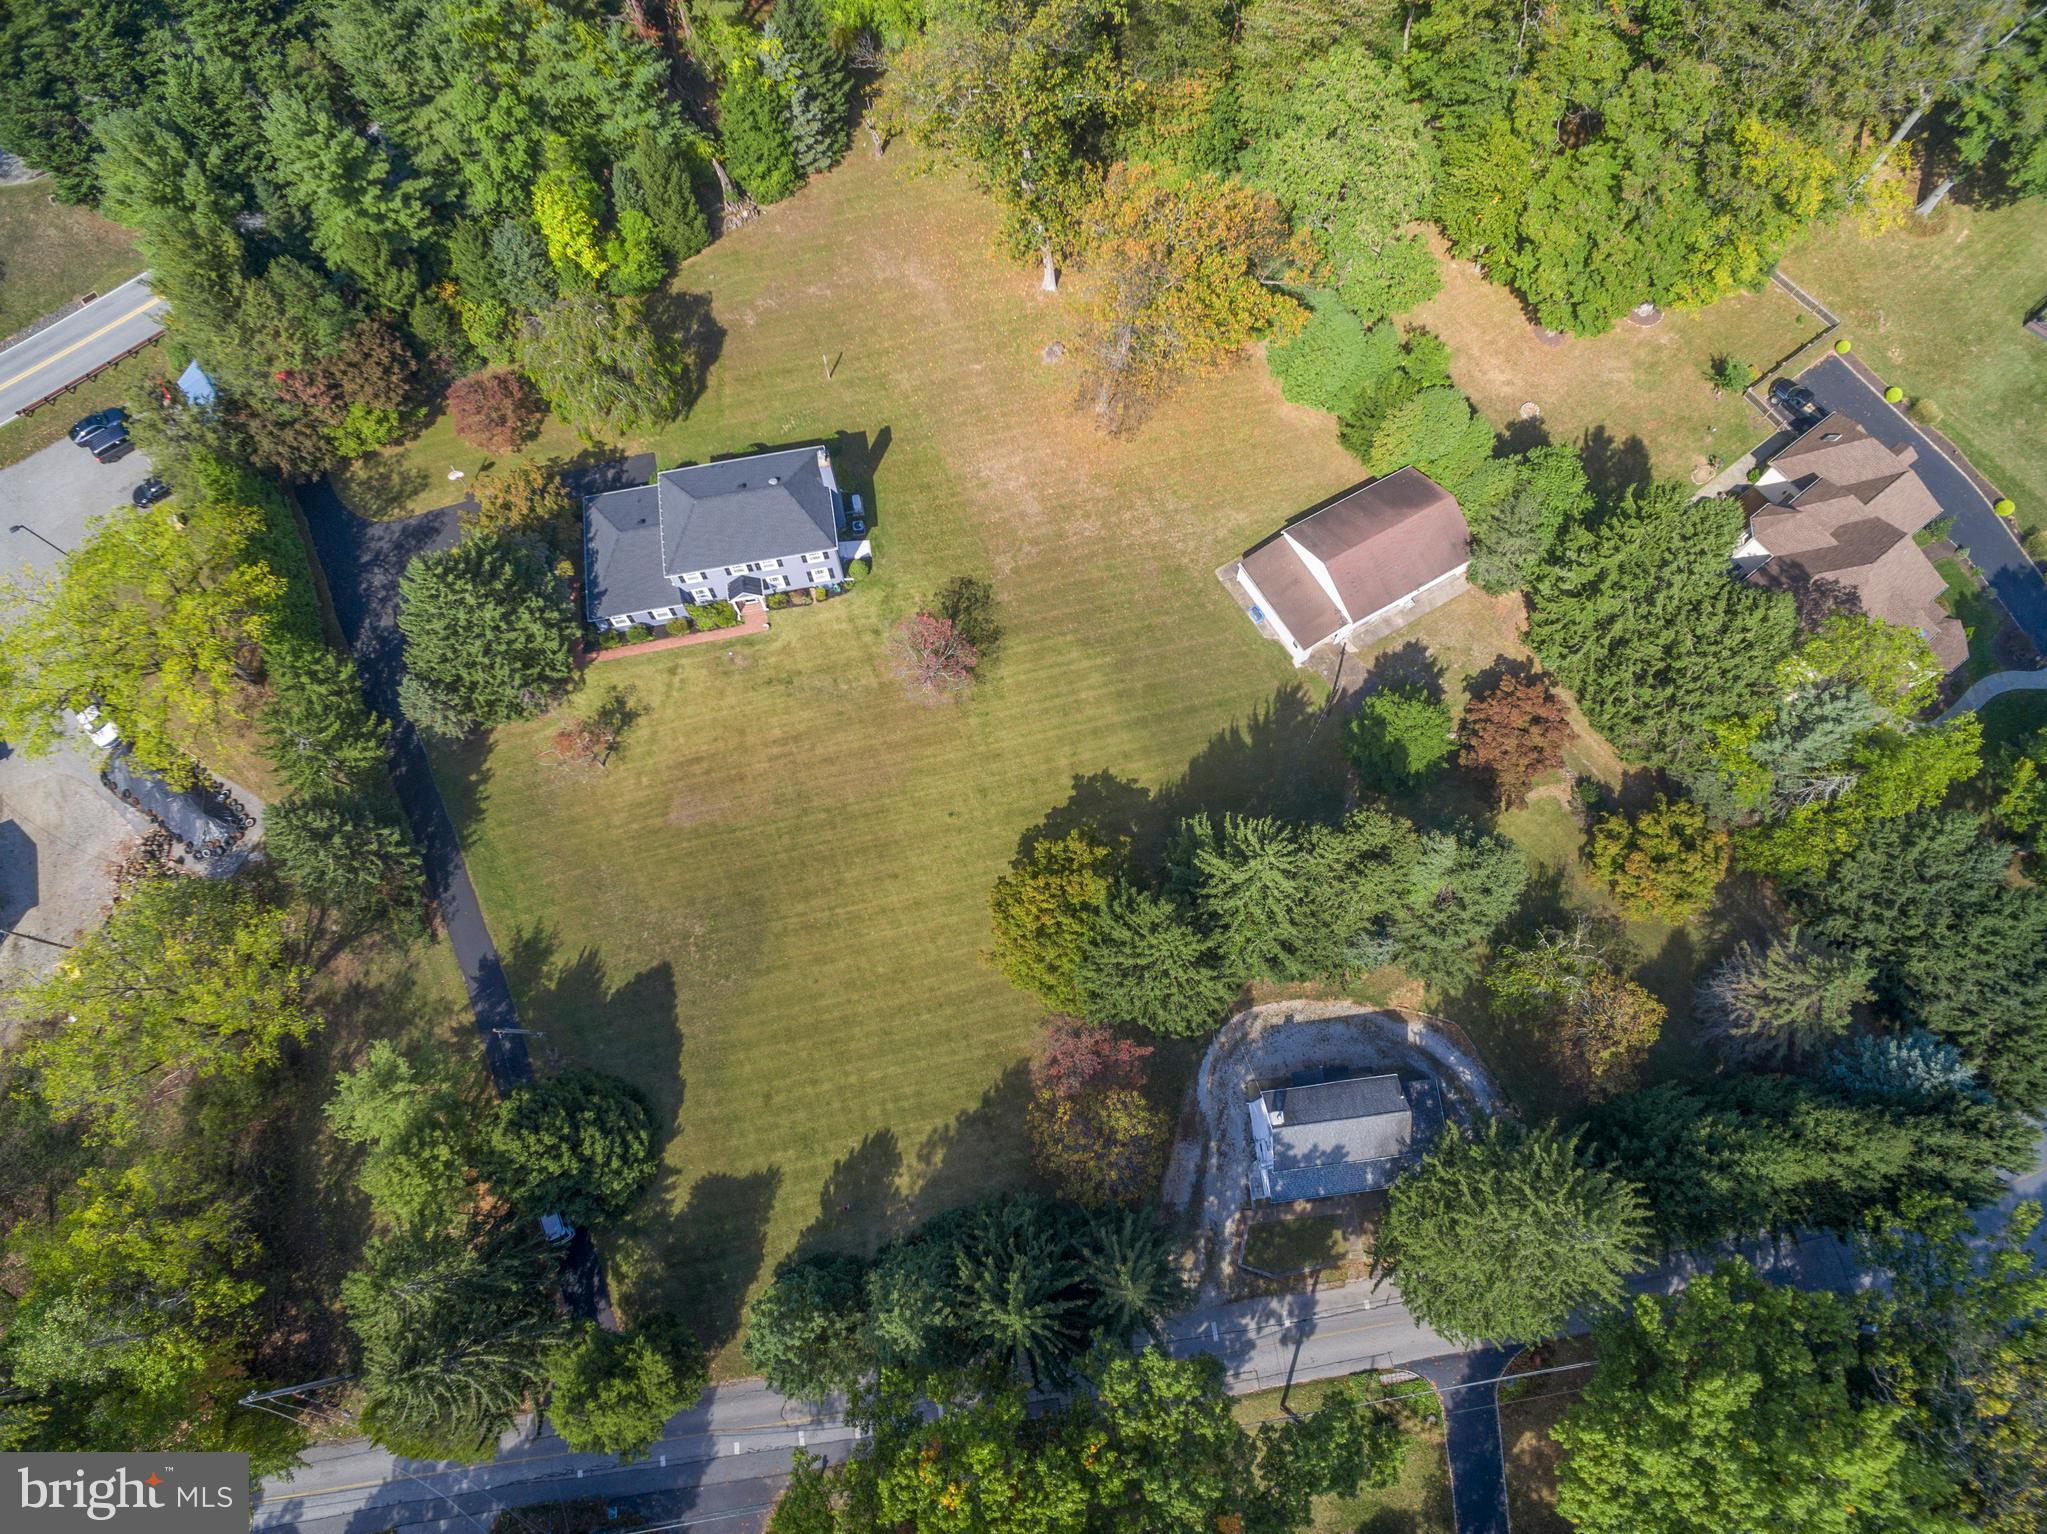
(1502, 1236)
(1043, 913)
(1961, 1341)
(1599, 1025)
(1664, 862)
(613, 1392)
(1184, 280)
(1514, 733)
(1736, 1406)
(580, 1144)
(604, 365)
(756, 130)
(155, 622)
(1017, 92)
(1349, 154)
(188, 978)
(1396, 736)
(805, 1332)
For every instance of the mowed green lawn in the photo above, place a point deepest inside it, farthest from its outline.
(51, 254)
(770, 910)
(1938, 308)
(1637, 398)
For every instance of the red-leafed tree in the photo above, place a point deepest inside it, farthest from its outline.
(1074, 1057)
(932, 660)
(498, 411)
(1094, 1135)
(1513, 734)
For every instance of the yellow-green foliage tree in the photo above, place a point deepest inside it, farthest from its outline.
(568, 206)
(1184, 278)
(1664, 862)
(1043, 913)
(188, 978)
(155, 621)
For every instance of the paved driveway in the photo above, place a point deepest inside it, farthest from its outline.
(55, 493)
(1978, 529)
(76, 344)
(1468, 1384)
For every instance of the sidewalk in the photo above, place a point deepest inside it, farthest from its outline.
(755, 621)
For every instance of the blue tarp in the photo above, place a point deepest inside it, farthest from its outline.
(195, 385)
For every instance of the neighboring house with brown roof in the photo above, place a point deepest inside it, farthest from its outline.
(1378, 555)
(1831, 520)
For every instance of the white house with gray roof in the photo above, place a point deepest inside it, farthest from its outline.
(736, 530)
(1328, 1138)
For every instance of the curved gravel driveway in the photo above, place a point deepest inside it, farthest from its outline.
(1211, 1174)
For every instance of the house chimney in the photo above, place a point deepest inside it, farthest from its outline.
(1907, 453)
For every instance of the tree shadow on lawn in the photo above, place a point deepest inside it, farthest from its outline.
(964, 1162)
(1286, 760)
(861, 1203)
(686, 318)
(712, 1249)
(1613, 465)
(633, 1029)
(1409, 666)
(381, 487)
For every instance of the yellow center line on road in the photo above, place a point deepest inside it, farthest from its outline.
(84, 341)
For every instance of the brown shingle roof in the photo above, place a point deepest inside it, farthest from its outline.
(1850, 526)
(1292, 592)
(1379, 543)
(1840, 450)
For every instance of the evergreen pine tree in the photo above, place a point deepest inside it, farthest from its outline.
(819, 84)
(1251, 894)
(756, 129)
(1146, 966)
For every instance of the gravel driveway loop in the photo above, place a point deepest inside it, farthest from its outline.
(1212, 1174)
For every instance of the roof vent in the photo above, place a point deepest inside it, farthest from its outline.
(774, 479)
(1275, 1116)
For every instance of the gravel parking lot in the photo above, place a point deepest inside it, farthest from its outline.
(61, 833)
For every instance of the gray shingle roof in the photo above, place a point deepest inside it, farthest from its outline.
(768, 506)
(622, 553)
(1338, 1137)
(703, 517)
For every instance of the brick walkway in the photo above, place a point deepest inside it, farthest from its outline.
(755, 621)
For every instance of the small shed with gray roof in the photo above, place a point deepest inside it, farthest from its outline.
(735, 530)
(1326, 1138)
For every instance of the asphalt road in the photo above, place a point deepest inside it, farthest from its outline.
(1993, 550)
(78, 343)
(722, 1460)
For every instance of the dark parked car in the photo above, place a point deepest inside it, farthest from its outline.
(108, 445)
(1796, 401)
(150, 491)
(99, 420)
